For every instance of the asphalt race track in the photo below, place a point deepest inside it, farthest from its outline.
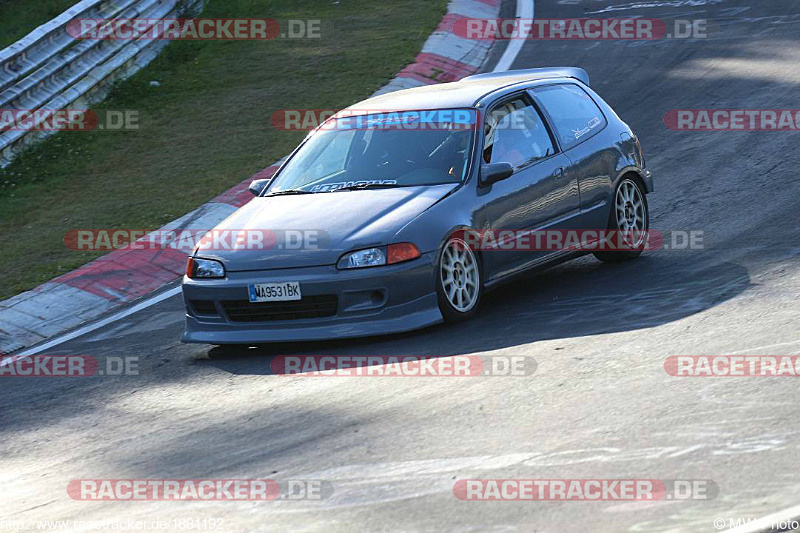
(600, 404)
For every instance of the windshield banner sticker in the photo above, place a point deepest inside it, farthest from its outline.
(322, 187)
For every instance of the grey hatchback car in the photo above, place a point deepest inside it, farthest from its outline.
(378, 222)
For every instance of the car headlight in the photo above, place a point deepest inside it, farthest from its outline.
(204, 268)
(379, 256)
(363, 258)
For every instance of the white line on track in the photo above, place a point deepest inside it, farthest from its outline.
(525, 9)
(752, 350)
(144, 304)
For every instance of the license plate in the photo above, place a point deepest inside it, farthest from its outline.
(275, 292)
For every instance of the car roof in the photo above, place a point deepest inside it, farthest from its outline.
(464, 93)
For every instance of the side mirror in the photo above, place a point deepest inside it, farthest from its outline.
(495, 172)
(258, 186)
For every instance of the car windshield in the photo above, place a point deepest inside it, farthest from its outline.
(382, 150)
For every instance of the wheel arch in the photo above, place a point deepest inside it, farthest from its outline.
(635, 174)
(478, 253)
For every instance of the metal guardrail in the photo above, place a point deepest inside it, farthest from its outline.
(49, 69)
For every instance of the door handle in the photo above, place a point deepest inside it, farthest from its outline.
(558, 173)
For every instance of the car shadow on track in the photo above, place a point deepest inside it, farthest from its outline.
(576, 299)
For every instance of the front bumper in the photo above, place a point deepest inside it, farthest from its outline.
(371, 301)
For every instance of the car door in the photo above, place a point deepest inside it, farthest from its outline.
(540, 194)
(578, 123)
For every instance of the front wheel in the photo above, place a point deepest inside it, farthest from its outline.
(631, 218)
(459, 283)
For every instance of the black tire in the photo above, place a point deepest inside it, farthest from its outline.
(451, 312)
(616, 256)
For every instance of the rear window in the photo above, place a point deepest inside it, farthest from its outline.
(575, 115)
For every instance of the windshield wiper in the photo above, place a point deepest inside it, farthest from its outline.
(289, 191)
(361, 186)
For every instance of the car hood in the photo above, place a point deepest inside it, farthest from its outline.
(316, 229)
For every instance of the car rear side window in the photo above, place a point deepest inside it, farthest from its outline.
(574, 114)
(515, 133)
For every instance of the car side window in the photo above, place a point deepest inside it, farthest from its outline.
(574, 114)
(515, 133)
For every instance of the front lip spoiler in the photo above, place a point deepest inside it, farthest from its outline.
(427, 314)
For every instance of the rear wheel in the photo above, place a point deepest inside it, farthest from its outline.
(630, 217)
(458, 281)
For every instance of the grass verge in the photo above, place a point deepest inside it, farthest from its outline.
(205, 128)
(19, 17)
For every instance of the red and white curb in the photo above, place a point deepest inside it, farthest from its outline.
(124, 276)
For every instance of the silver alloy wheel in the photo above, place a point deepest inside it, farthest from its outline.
(631, 213)
(459, 275)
